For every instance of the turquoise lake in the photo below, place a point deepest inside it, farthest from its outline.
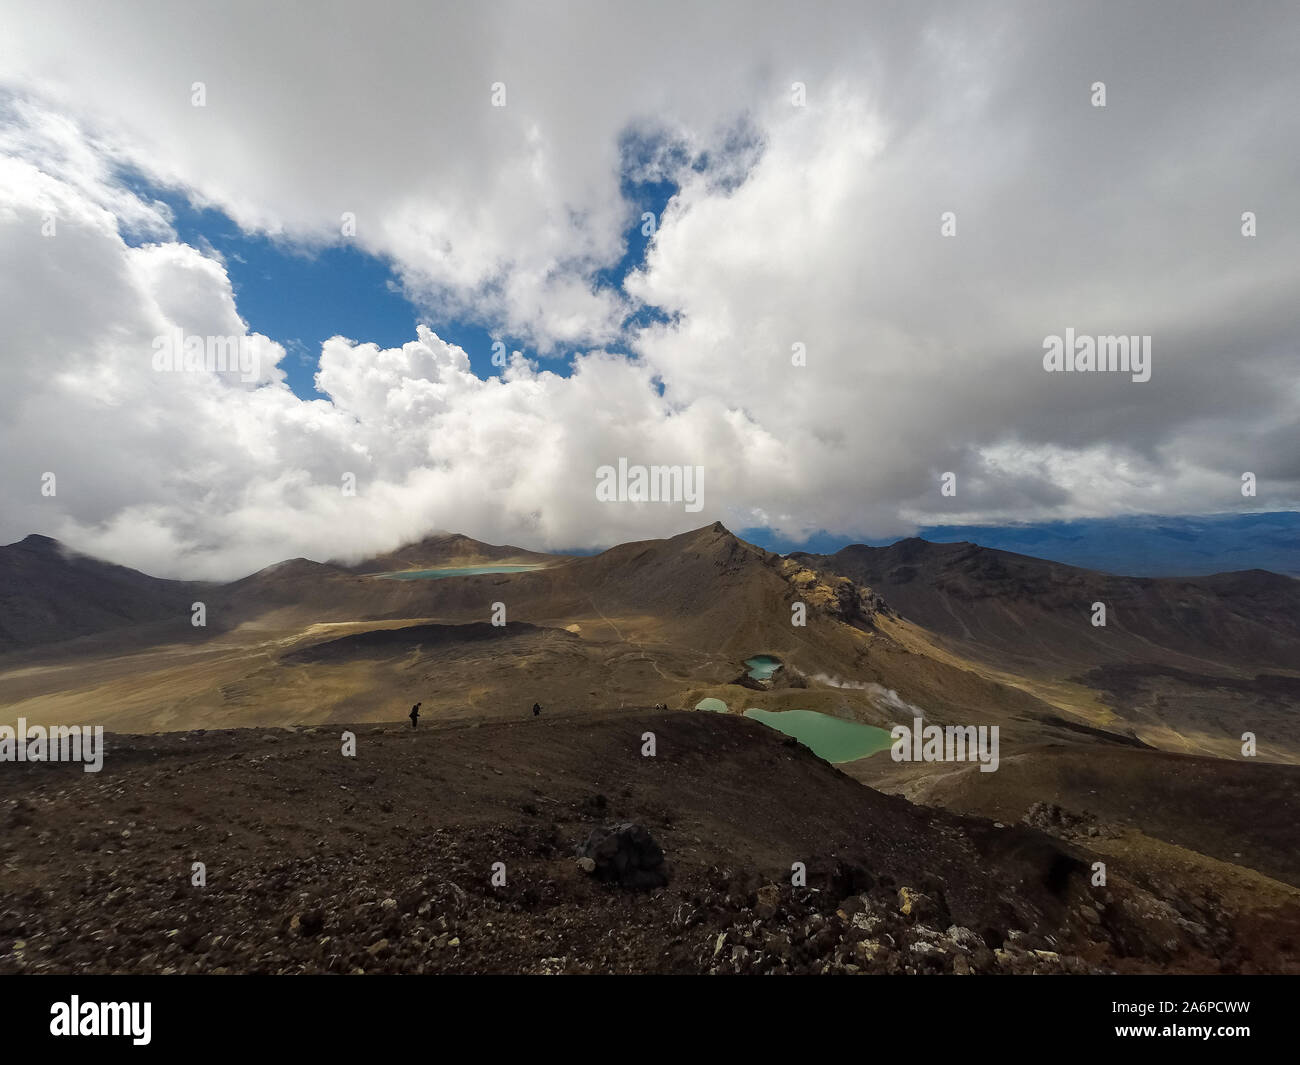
(761, 667)
(828, 737)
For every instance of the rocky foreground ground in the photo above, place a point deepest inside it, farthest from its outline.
(455, 849)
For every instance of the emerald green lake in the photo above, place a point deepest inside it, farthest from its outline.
(716, 705)
(761, 667)
(828, 737)
(458, 571)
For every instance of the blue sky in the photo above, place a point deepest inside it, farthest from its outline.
(301, 297)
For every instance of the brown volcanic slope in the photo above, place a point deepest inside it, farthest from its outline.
(1035, 615)
(654, 621)
(666, 621)
(1185, 663)
(706, 585)
(1244, 812)
(669, 621)
(382, 863)
(450, 550)
(50, 593)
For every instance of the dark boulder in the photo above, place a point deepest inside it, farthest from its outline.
(625, 854)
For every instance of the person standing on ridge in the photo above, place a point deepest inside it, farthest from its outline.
(536, 709)
(414, 715)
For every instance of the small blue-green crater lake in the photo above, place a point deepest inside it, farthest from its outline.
(459, 571)
(761, 667)
(715, 705)
(828, 737)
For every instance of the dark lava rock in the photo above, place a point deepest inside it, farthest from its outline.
(307, 924)
(626, 854)
(1051, 818)
(850, 878)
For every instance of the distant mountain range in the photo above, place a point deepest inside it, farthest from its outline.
(451, 550)
(1139, 546)
(50, 593)
(962, 631)
(1027, 611)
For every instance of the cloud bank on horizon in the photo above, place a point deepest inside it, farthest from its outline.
(816, 228)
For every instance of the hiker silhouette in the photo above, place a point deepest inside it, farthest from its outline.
(414, 715)
(536, 709)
